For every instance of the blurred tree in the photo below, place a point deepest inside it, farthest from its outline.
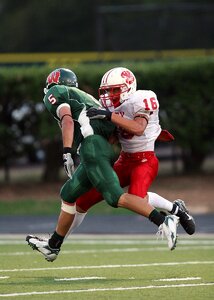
(19, 122)
(186, 97)
(72, 25)
(40, 26)
(25, 127)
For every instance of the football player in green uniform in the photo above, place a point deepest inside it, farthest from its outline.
(69, 105)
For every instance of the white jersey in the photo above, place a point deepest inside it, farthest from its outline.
(141, 103)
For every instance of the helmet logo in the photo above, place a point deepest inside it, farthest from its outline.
(53, 77)
(128, 76)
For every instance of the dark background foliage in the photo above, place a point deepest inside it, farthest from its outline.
(72, 25)
(186, 110)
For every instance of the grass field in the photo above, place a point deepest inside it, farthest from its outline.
(109, 267)
(36, 198)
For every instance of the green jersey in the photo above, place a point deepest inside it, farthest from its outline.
(79, 102)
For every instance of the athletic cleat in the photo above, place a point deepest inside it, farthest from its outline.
(169, 230)
(186, 220)
(42, 246)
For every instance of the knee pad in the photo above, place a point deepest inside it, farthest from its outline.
(68, 208)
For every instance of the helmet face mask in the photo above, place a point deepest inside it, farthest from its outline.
(111, 95)
(116, 86)
(61, 76)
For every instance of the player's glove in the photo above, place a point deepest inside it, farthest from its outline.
(68, 162)
(95, 113)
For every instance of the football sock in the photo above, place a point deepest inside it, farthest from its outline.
(79, 217)
(159, 202)
(156, 217)
(55, 241)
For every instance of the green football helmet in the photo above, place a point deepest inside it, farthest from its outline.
(61, 76)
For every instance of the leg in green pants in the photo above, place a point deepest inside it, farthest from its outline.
(97, 158)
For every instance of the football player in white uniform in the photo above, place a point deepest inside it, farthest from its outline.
(136, 113)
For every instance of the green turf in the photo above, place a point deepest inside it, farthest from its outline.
(109, 267)
(30, 207)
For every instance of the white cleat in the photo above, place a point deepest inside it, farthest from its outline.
(169, 230)
(42, 246)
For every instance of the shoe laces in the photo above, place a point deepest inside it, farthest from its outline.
(42, 239)
(160, 232)
(182, 206)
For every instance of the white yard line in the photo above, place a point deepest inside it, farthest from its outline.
(120, 241)
(113, 239)
(107, 289)
(78, 278)
(98, 236)
(4, 277)
(178, 279)
(111, 266)
(22, 253)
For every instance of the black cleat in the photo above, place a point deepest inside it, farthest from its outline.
(186, 220)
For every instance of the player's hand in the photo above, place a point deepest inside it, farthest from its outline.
(68, 164)
(95, 113)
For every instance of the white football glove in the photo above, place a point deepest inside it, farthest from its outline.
(68, 164)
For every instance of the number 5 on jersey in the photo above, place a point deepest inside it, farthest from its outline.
(52, 99)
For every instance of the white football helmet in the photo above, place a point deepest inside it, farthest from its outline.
(116, 86)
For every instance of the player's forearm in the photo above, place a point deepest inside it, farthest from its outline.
(130, 126)
(67, 126)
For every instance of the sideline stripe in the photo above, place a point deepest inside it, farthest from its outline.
(112, 266)
(177, 279)
(78, 278)
(108, 289)
(110, 250)
(118, 242)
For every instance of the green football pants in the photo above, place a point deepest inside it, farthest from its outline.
(97, 158)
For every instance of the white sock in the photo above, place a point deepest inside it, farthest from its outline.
(159, 202)
(79, 217)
